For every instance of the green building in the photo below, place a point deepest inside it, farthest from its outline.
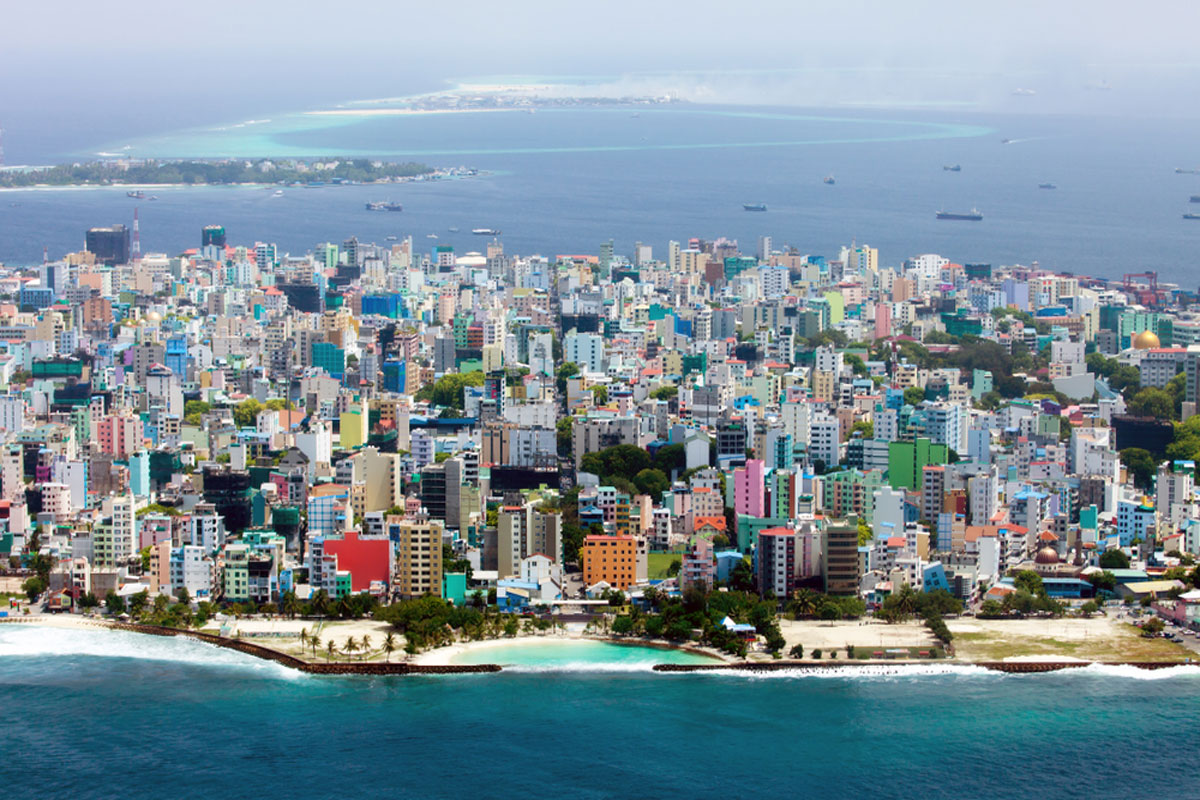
(454, 587)
(330, 358)
(907, 461)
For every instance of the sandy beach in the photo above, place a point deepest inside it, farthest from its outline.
(400, 112)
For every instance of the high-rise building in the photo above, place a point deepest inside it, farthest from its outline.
(841, 558)
(109, 245)
(213, 235)
(418, 556)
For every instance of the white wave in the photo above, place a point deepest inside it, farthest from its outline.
(1138, 674)
(871, 671)
(46, 641)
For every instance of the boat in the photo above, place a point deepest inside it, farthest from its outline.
(453, 230)
(431, 236)
(392, 238)
(152, 197)
(754, 206)
(485, 232)
(1047, 186)
(381, 205)
(278, 193)
(1191, 216)
(829, 180)
(137, 195)
(952, 167)
(1195, 198)
(1182, 171)
(1006, 141)
(973, 216)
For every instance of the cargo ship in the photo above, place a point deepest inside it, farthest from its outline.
(1194, 198)
(828, 180)
(485, 232)
(379, 205)
(1191, 216)
(1182, 171)
(974, 216)
(952, 167)
(1047, 186)
(754, 206)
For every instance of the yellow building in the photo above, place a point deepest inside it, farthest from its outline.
(418, 556)
(612, 559)
(353, 426)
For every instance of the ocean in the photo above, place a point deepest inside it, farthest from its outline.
(102, 714)
(563, 181)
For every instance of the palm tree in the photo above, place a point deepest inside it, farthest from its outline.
(389, 645)
(320, 603)
(906, 599)
(303, 639)
(805, 603)
(289, 604)
(350, 646)
(330, 649)
(366, 644)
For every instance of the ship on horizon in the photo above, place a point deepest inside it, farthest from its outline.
(1047, 186)
(754, 206)
(382, 205)
(952, 167)
(829, 181)
(973, 216)
(1191, 215)
(485, 231)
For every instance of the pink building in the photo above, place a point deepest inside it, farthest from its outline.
(748, 492)
(120, 435)
(883, 320)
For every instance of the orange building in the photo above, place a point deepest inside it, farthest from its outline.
(612, 559)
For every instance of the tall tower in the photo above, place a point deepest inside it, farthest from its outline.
(135, 253)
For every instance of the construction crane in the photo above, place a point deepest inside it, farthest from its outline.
(1146, 297)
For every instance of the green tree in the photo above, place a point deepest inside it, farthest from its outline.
(138, 603)
(865, 427)
(183, 595)
(1030, 581)
(623, 625)
(1150, 402)
(1153, 626)
(600, 394)
(1114, 559)
(664, 392)
(1141, 465)
(566, 370)
(855, 364)
(673, 569)
(33, 587)
(797, 651)
(651, 482)
(245, 413)
(389, 645)
(88, 600)
(113, 603)
(914, 395)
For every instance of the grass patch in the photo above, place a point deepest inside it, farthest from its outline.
(1124, 643)
(657, 564)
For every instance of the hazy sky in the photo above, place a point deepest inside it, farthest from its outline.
(150, 61)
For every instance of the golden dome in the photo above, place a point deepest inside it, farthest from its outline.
(1145, 341)
(1047, 555)
(154, 316)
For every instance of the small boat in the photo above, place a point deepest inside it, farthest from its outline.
(152, 197)
(828, 180)
(278, 193)
(1047, 186)
(1195, 198)
(380, 205)
(972, 216)
(1191, 216)
(952, 167)
(1006, 141)
(1182, 171)
(431, 236)
(453, 230)
(485, 232)
(391, 238)
(137, 195)
(754, 206)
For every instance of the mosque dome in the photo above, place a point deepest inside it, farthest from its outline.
(1145, 341)
(154, 316)
(1047, 555)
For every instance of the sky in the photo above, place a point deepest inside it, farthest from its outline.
(151, 65)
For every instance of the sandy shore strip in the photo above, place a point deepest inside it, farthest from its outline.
(442, 656)
(401, 112)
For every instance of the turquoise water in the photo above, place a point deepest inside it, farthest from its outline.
(573, 653)
(563, 181)
(100, 714)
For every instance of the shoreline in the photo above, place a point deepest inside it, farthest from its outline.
(428, 664)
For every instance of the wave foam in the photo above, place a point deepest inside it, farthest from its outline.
(36, 641)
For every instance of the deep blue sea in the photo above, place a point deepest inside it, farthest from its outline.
(565, 180)
(104, 714)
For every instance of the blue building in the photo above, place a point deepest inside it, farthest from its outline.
(176, 355)
(36, 296)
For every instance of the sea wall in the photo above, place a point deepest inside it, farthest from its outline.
(997, 666)
(329, 668)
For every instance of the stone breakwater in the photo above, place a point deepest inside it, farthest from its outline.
(330, 668)
(997, 666)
